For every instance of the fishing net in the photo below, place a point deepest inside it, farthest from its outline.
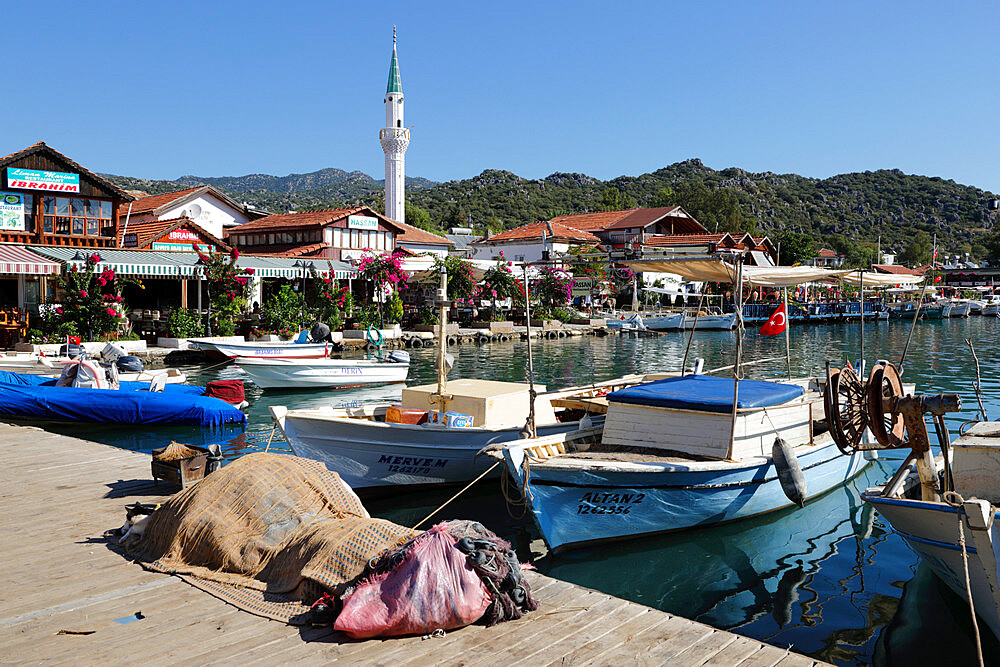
(175, 451)
(267, 533)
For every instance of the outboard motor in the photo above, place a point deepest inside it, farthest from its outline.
(319, 332)
(399, 356)
(112, 352)
(72, 351)
(129, 364)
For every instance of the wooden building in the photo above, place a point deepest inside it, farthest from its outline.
(61, 203)
(337, 234)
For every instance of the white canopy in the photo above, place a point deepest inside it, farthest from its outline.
(715, 270)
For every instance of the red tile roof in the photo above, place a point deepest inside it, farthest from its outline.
(148, 229)
(682, 240)
(590, 222)
(896, 269)
(641, 217)
(554, 231)
(297, 251)
(413, 234)
(307, 219)
(825, 253)
(153, 202)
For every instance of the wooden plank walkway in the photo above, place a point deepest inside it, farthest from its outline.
(59, 494)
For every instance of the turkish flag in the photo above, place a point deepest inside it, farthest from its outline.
(73, 340)
(776, 323)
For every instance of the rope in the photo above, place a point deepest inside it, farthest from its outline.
(957, 501)
(466, 488)
(701, 299)
(979, 381)
(271, 437)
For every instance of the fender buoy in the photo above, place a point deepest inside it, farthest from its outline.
(452, 340)
(793, 483)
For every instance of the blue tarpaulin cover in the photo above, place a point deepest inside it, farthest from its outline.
(37, 397)
(706, 393)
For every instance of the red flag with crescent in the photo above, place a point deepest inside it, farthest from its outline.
(776, 323)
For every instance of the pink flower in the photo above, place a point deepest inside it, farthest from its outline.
(235, 254)
(111, 311)
(95, 258)
(101, 281)
(250, 272)
(59, 311)
(82, 294)
(118, 299)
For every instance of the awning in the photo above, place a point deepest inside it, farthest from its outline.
(154, 264)
(17, 259)
(871, 279)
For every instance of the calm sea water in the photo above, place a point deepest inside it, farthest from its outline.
(832, 580)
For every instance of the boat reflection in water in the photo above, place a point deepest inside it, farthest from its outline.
(773, 578)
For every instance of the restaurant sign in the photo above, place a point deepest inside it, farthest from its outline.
(183, 235)
(183, 247)
(31, 179)
(130, 240)
(362, 222)
(11, 211)
(583, 286)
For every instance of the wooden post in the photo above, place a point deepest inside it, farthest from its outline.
(442, 398)
(928, 476)
(532, 431)
(737, 367)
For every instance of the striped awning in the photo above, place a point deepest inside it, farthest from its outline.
(17, 259)
(157, 264)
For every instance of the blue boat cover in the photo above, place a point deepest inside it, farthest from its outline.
(37, 397)
(706, 393)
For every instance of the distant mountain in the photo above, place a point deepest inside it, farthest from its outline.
(317, 189)
(861, 206)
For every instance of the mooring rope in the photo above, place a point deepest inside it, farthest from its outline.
(957, 501)
(464, 489)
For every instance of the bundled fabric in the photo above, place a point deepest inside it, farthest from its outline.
(431, 587)
(267, 533)
(230, 391)
(36, 397)
(454, 574)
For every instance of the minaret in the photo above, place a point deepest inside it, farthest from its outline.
(395, 139)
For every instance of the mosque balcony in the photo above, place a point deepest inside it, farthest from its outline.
(394, 133)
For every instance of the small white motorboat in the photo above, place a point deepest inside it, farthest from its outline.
(960, 308)
(712, 321)
(262, 350)
(664, 321)
(283, 373)
(52, 366)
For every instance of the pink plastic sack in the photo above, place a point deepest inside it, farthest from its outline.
(433, 587)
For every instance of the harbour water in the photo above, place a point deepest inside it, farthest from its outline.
(832, 579)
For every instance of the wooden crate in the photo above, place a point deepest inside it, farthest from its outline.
(182, 472)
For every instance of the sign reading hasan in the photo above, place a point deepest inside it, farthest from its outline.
(30, 179)
(362, 222)
(11, 211)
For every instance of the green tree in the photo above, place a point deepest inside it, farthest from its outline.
(917, 251)
(615, 200)
(418, 217)
(664, 197)
(795, 248)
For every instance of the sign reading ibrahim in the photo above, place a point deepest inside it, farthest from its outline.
(30, 179)
(11, 211)
(362, 222)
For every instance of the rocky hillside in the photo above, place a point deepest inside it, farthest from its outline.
(858, 205)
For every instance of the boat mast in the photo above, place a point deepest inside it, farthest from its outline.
(529, 426)
(788, 345)
(442, 301)
(738, 366)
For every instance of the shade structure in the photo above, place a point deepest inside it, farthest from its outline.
(153, 264)
(872, 279)
(16, 259)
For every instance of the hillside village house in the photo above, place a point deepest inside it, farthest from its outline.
(211, 210)
(827, 258)
(633, 227)
(533, 242)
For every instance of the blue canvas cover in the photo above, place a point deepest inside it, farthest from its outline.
(37, 397)
(706, 393)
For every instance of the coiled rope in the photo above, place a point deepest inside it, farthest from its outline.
(955, 500)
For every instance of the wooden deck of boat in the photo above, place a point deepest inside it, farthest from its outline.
(59, 580)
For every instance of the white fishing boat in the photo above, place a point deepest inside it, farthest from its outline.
(991, 306)
(975, 307)
(263, 350)
(296, 373)
(960, 308)
(634, 322)
(928, 519)
(711, 321)
(387, 448)
(665, 321)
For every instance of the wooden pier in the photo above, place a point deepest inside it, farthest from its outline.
(65, 597)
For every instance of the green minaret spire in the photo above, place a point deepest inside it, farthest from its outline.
(394, 86)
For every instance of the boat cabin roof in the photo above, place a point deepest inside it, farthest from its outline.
(706, 393)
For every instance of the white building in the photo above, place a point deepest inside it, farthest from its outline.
(395, 139)
(528, 242)
(205, 206)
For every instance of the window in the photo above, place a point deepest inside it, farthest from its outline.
(336, 238)
(77, 216)
(29, 213)
(399, 123)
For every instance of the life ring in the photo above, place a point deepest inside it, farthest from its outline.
(371, 339)
(452, 340)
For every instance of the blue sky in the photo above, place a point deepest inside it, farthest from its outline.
(164, 89)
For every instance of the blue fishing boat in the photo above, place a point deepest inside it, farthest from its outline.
(37, 398)
(679, 453)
